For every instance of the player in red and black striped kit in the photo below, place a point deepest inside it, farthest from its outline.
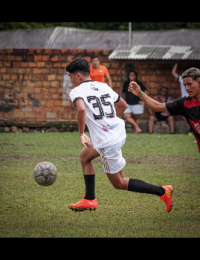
(188, 107)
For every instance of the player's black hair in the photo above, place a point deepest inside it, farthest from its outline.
(80, 65)
(193, 73)
(94, 56)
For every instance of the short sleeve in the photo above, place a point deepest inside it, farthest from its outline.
(176, 107)
(74, 96)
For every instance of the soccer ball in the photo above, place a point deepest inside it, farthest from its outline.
(45, 173)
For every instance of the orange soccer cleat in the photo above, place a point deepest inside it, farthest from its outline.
(167, 197)
(84, 205)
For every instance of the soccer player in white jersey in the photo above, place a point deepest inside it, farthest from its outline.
(100, 108)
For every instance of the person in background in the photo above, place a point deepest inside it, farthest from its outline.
(99, 72)
(135, 105)
(179, 78)
(161, 116)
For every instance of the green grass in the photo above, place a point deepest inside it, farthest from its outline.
(30, 210)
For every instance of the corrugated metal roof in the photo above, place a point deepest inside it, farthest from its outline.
(155, 52)
(73, 38)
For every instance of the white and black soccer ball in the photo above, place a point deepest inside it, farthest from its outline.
(45, 173)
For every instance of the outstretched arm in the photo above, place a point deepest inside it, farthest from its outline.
(174, 73)
(135, 89)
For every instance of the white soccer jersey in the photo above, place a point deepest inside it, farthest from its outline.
(105, 127)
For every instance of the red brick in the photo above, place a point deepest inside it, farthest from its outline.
(27, 77)
(54, 58)
(37, 90)
(63, 58)
(43, 102)
(46, 83)
(40, 64)
(64, 64)
(62, 115)
(41, 120)
(29, 114)
(29, 71)
(50, 102)
(48, 64)
(32, 51)
(18, 114)
(7, 64)
(18, 58)
(51, 77)
(8, 115)
(38, 96)
(32, 64)
(45, 57)
(58, 103)
(30, 83)
(59, 77)
(37, 71)
(57, 64)
(70, 58)
(48, 109)
(55, 83)
(94, 51)
(16, 64)
(65, 51)
(8, 50)
(35, 77)
(23, 103)
(31, 120)
(14, 77)
(49, 51)
(40, 115)
(53, 71)
(45, 71)
(60, 71)
(37, 57)
(36, 109)
(2, 115)
(53, 90)
(3, 70)
(55, 96)
(38, 83)
(6, 76)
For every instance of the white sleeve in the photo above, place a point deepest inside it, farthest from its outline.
(74, 95)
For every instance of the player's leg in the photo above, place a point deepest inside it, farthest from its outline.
(170, 120)
(119, 181)
(152, 119)
(88, 202)
(113, 163)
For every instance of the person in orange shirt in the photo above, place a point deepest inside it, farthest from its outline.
(99, 72)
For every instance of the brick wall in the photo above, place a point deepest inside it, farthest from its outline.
(32, 91)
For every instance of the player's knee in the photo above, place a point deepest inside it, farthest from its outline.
(118, 185)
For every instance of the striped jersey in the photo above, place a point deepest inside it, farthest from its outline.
(106, 129)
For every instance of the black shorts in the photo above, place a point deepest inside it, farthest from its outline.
(161, 117)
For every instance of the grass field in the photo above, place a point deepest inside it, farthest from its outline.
(32, 211)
